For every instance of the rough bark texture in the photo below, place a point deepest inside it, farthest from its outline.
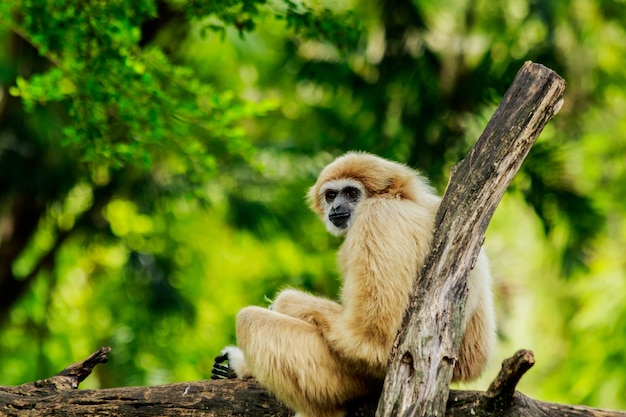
(427, 347)
(58, 396)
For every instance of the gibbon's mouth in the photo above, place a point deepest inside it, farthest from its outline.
(339, 219)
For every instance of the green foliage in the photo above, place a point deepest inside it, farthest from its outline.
(155, 155)
(126, 104)
(238, 14)
(343, 30)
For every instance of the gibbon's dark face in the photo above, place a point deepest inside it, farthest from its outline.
(341, 198)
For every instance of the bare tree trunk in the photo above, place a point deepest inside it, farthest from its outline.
(421, 369)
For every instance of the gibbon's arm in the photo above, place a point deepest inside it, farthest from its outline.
(312, 309)
(379, 258)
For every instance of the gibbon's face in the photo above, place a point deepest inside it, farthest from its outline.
(341, 199)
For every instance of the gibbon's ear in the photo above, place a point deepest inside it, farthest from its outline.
(399, 187)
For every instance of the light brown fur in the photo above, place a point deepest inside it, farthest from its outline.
(316, 354)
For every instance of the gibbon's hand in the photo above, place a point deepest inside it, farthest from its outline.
(221, 368)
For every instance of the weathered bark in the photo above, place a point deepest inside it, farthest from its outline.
(427, 346)
(58, 396)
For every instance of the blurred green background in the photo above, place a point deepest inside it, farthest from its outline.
(155, 155)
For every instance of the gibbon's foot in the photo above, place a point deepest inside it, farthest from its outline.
(221, 368)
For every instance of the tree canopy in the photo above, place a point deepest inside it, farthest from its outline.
(154, 157)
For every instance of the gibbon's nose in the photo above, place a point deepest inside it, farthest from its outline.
(339, 216)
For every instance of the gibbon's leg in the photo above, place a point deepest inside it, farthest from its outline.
(291, 358)
(315, 310)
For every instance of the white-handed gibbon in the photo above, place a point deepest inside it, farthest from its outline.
(315, 354)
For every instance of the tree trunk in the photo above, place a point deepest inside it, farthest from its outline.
(421, 369)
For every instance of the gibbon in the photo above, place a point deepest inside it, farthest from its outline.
(315, 354)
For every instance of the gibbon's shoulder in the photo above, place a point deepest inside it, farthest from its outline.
(379, 176)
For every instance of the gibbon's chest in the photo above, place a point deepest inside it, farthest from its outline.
(387, 232)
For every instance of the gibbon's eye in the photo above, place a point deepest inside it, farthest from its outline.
(352, 193)
(330, 195)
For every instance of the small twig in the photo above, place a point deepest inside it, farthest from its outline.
(81, 370)
(501, 391)
(66, 380)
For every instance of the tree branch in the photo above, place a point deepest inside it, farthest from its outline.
(502, 389)
(58, 395)
(421, 369)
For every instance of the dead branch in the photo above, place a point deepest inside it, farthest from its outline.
(420, 372)
(59, 395)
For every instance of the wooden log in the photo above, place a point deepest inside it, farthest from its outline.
(59, 396)
(427, 345)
